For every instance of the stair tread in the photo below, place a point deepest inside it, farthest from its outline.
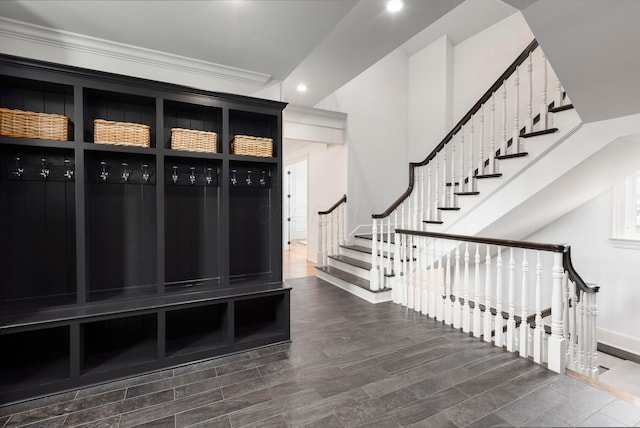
(512, 156)
(351, 261)
(561, 108)
(432, 221)
(370, 237)
(536, 133)
(350, 278)
(449, 208)
(366, 250)
(489, 175)
(466, 193)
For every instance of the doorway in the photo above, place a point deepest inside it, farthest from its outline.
(295, 221)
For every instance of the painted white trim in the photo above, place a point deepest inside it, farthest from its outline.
(619, 340)
(308, 124)
(50, 37)
(384, 296)
(625, 243)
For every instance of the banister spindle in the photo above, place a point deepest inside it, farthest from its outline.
(524, 326)
(319, 255)
(396, 254)
(492, 145)
(389, 265)
(452, 189)
(441, 292)
(529, 125)
(503, 128)
(424, 279)
(457, 315)
(470, 183)
(411, 275)
(461, 186)
(325, 248)
(487, 296)
(466, 314)
(432, 279)
(515, 141)
(436, 190)
(499, 319)
(556, 343)
(572, 339)
(330, 243)
(447, 299)
(582, 336)
(444, 177)
(538, 332)
(374, 256)
(544, 107)
(477, 329)
(419, 223)
(481, 154)
(560, 96)
(429, 196)
(511, 321)
(416, 202)
(592, 329)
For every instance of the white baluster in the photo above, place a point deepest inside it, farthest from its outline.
(340, 240)
(511, 321)
(429, 205)
(477, 328)
(466, 309)
(593, 314)
(389, 262)
(557, 343)
(544, 107)
(560, 97)
(436, 186)
(492, 145)
(452, 188)
(416, 200)
(457, 314)
(424, 271)
(529, 125)
(573, 343)
(419, 223)
(538, 332)
(320, 255)
(396, 257)
(515, 139)
(566, 298)
(487, 296)
(470, 183)
(582, 336)
(503, 130)
(481, 154)
(411, 282)
(461, 186)
(499, 319)
(524, 326)
(447, 301)
(330, 234)
(374, 257)
(440, 295)
(432, 280)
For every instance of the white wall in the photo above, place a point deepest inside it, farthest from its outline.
(430, 97)
(376, 102)
(615, 270)
(327, 181)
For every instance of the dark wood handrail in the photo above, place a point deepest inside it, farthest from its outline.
(342, 200)
(487, 95)
(565, 249)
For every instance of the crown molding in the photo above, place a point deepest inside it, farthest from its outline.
(50, 37)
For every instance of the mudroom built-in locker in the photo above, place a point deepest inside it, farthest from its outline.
(140, 226)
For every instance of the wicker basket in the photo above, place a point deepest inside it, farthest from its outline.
(252, 146)
(121, 133)
(27, 124)
(194, 141)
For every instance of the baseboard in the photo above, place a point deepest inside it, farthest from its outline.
(384, 296)
(619, 345)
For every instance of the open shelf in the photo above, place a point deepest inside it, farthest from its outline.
(255, 125)
(37, 357)
(191, 116)
(192, 224)
(115, 343)
(260, 318)
(121, 237)
(37, 228)
(118, 107)
(196, 329)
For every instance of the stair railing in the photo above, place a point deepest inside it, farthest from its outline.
(490, 131)
(503, 301)
(331, 230)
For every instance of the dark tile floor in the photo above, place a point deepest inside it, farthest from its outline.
(349, 364)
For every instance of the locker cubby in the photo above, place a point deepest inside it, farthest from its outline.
(260, 318)
(111, 344)
(191, 116)
(32, 95)
(121, 225)
(118, 107)
(255, 125)
(192, 224)
(37, 357)
(196, 329)
(37, 228)
(251, 217)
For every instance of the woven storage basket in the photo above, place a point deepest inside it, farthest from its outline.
(194, 141)
(121, 133)
(27, 124)
(252, 146)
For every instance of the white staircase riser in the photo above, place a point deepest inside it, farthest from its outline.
(354, 270)
(370, 297)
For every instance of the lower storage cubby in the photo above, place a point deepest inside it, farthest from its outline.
(115, 343)
(196, 329)
(38, 357)
(261, 318)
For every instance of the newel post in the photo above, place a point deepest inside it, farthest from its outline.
(321, 243)
(374, 278)
(557, 343)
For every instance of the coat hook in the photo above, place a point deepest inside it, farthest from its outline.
(174, 176)
(69, 172)
(192, 176)
(44, 171)
(234, 180)
(19, 171)
(145, 172)
(249, 178)
(104, 174)
(263, 179)
(209, 177)
(125, 173)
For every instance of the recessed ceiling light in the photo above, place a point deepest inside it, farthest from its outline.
(301, 87)
(394, 6)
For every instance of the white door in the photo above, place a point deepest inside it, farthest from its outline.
(296, 201)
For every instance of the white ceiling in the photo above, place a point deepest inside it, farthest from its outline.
(323, 43)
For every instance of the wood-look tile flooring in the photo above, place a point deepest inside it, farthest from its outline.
(296, 264)
(349, 364)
